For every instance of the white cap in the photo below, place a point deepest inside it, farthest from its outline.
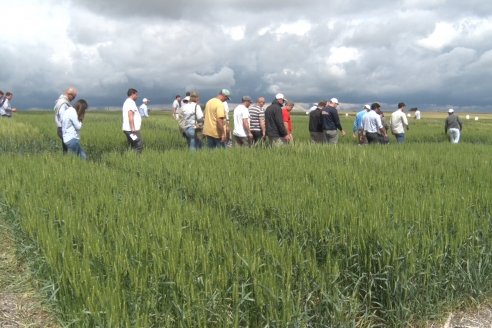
(145, 100)
(366, 106)
(334, 100)
(279, 96)
(450, 110)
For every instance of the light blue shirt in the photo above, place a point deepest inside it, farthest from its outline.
(358, 120)
(70, 125)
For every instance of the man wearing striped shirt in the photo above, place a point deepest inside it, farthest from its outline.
(257, 120)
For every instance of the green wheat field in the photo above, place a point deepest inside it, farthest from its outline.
(300, 236)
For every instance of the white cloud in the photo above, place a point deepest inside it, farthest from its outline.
(443, 34)
(235, 32)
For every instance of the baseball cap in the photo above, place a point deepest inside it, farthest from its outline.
(246, 98)
(279, 96)
(334, 100)
(145, 100)
(226, 93)
(367, 106)
(450, 110)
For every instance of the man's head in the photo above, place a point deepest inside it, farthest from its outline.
(322, 104)
(246, 100)
(450, 111)
(145, 101)
(132, 93)
(1, 93)
(289, 106)
(280, 98)
(71, 93)
(178, 97)
(375, 106)
(224, 95)
(260, 101)
(9, 95)
(333, 102)
(401, 106)
(367, 107)
(194, 96)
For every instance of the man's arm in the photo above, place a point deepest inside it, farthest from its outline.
(130, 119)
(246, 128)
(221, 128)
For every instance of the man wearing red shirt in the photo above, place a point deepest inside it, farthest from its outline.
(286, 117)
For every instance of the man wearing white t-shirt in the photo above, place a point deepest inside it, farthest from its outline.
(399, 123)
(132, 121)
(242, 133)
(176, 106)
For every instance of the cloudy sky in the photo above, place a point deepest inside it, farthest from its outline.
(427, 53)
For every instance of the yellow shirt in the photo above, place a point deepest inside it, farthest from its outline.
(214, 109)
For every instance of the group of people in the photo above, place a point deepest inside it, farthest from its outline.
(6, 104)
(253, 123)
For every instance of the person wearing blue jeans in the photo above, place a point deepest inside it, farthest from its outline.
(71, 121)
(453, 127)
(190, 118)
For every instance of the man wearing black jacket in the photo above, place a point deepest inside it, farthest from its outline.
(331, 122)
(275, 129)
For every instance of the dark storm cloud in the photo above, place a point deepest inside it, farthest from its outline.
(432, 51)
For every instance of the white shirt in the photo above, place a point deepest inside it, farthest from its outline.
(417, 114)
(398, 122)
(70, 125)
(144, 111)
(226, 110)
(187, 114)
(372, 122)
(240, 113)
(176, 105)
(130, 105)
(61, 106)
(5, 107)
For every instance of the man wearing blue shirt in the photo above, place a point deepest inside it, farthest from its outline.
(357, 130)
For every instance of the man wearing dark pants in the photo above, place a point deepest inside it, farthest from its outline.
(373, 128)
(63, 102)
(331, 122)
(274, 122)
(132, 121)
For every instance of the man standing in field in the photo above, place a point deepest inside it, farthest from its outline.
(453, 127)
(176, 106)
(274, 122)
(399, 123)
(315, 124)
(357, 130)
(143, 109)
(214, 128)
(61, 105)
(373, 128)
(132, 121)
(287, 119)
(257, 120)
(331, 122)
(242, 133)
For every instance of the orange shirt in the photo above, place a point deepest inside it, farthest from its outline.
(286, 117)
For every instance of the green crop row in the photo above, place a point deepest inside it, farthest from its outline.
(307, 235)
